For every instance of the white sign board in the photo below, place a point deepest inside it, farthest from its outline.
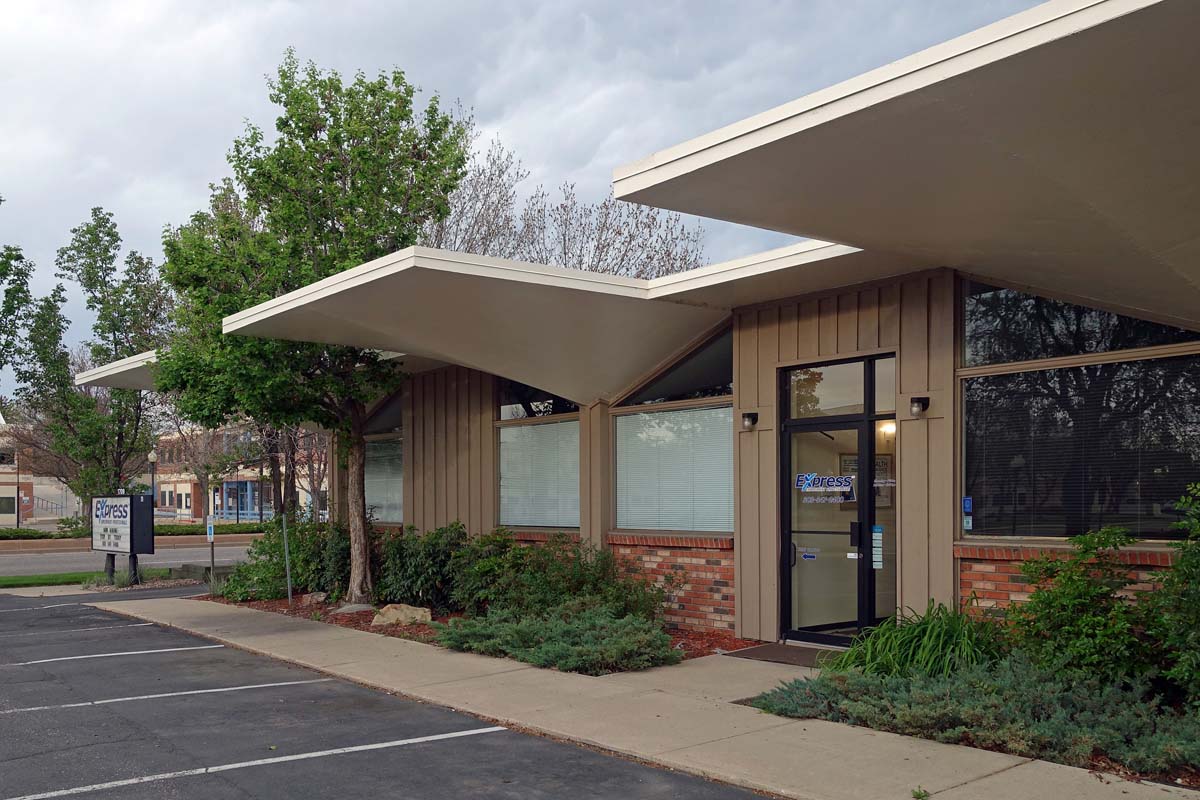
(110, 525)
(209, 531)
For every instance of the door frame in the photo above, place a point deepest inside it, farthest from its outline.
(865, 423)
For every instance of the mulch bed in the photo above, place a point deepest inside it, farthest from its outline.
(323, 612)
(694, 644)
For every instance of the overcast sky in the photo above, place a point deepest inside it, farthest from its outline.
(133, 105)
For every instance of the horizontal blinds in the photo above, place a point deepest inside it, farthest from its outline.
(539, 475)
(384, 480)
(1064, 451)
(675, 470)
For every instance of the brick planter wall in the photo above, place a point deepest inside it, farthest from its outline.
(993, 574)
(705, 598)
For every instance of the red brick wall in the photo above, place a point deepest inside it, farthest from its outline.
(993, 574)
(704, 598)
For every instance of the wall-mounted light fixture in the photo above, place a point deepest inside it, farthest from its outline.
(918, 406)
(749, 420)
(888, 428)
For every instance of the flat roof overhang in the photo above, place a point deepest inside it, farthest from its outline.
(582, 335)
(1054, 150)
(134, 372)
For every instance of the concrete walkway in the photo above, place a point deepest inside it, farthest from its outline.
(680, 717)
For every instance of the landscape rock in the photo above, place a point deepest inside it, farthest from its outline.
(400, 614)
(352, 608)
(313, 598)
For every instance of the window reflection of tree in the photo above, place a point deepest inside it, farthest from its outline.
(802, 389)
(1088, 446)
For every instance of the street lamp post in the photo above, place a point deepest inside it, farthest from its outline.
(152, 457)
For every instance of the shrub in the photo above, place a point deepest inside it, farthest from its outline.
(27, 533)
(1014, 705)
(1079, 617)
(939, 642)
(418, 569)
(320, 561)
(1172, 612)
(199, 529)
(478, 567)
(583, 635)
(532, 580)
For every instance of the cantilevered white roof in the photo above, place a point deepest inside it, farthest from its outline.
(1054, 150)
(585, 336)
(134, 372)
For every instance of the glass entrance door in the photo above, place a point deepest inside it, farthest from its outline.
(838, 459)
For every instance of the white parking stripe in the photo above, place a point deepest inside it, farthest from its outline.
(112, 655)
(163, 694)
(77, 630)
(37, 608)
(262, 762)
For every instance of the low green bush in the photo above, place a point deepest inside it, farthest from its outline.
(219, 529)
(583, 635)
(9, 534)
(1014, 705)
(531, 580)
(1172, 612)
(478, 568)
(418, 569)
(1080, 617)
(939, 642)
(320, 561)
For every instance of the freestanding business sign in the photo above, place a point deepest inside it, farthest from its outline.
(123, 524)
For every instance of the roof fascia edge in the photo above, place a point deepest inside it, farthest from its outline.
(788, 118)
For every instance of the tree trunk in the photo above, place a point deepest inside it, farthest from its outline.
(360, 588)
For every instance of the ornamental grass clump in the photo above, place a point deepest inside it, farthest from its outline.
(941, 641)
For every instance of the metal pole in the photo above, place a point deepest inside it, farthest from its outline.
(134, 578)
(17, 464)
(260, 493)
(287, 558)
(237, 506)
(110, 568)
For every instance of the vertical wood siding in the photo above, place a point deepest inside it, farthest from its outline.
(915, 318)
(449, 449)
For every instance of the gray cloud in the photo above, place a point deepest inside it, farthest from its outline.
(132, 105)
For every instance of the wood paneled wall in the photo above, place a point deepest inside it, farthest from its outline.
(449, 449)
(914, 317)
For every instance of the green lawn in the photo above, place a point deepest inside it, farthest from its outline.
(67, 578)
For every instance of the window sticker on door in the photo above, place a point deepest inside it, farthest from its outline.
(832, 488)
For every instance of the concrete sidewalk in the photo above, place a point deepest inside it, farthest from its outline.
(681, 717)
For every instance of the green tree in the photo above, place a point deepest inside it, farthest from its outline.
(99, 438)
(15, 299)
(353, 173)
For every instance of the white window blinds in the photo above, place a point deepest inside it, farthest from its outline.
(539, 475)
(675, 470)
(384, 480)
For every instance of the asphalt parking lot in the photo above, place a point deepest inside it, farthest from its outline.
(96, 705)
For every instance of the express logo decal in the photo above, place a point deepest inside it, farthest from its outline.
(812, 482)
(840, 485)
(109, 511)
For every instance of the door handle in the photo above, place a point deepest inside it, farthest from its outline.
(793, 555)
(855, 534)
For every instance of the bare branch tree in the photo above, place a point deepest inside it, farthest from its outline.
(488, 218)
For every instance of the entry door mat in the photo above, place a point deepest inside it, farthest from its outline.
(796, 655)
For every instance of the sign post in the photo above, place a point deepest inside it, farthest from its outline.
(123, 524)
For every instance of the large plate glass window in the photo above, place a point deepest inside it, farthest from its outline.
(539, 475)
(675, 470)
(674, 446)
(383, 480)
(1062, 450)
